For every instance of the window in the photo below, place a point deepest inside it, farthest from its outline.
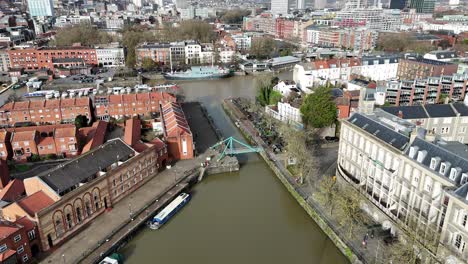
(464, 179)
(462, 130)
(445, 130)
(3, 248)
(458, 241)
(17, 238)
(20, 250)
(25, 258)
(31, 235)
(453, 172)
(433, 164)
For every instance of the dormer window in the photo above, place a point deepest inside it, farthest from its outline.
(444, 168)
(464, 178)
(413, 151)
(453, 173)
(421, 156)
(434, 163)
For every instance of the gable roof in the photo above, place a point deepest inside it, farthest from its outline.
(35, 202)
(13, 191)
(174, 120)
(84, 167)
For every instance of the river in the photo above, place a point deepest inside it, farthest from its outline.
(244, 217)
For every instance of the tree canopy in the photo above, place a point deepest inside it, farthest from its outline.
(84, 33)
(402, 42)
(81, 121)
(262, 48)
(235, 16)
(265, 93)
(318, 109)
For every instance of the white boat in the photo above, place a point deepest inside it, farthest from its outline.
(56, 94)
(64, 95)
(72, 94)
(49, 96)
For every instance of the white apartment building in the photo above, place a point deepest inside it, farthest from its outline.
(243, 42)
(372, 18)
(412, 181)
(114, 22)
(377, 68)
(192, 53)
(457, 28)
(450, 121)
(110, 55)
(285, 112)
(279, 7)
(227, 56)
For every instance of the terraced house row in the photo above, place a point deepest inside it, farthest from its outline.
(57, 111)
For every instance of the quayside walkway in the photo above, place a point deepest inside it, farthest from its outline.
(88, 241)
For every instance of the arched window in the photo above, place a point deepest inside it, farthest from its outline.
(78, 215)
(69, 221)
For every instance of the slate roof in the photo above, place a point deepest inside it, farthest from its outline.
(461, 108)
(445, 154)
(440, 110)
(462, 193)
(81, 168)
(384, 133)
(409, 112)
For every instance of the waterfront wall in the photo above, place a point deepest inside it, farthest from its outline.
(313, 212)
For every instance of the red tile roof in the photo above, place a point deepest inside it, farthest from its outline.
(94, 135)
(21, 105)
(65, 132)
(23, 136)
(175, 123)
(37, 104)
(35, 202)
(132, 131)
(13, 191)
(159, 143)
(26, 223)
(7, 228)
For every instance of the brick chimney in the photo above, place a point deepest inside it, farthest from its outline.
(400, 114)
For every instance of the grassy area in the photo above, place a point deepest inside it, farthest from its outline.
(20, 167)
(293, 170)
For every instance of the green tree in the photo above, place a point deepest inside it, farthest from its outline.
(265, 93)
(81, 121)
(318, 109)
(148, 64)
(131, 37)
(84, 33)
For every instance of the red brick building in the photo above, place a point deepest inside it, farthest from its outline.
(14, 243)
(129, 105)
(284, 28)
(177, 132)
(5, 145)
(41, 112)
(48, 57)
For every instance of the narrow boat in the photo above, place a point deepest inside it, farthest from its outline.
(170, 210)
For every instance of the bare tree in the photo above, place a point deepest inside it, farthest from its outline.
(350, 214)
(328, 193)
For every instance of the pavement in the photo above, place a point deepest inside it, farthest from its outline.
(375, 248)
(99, 229)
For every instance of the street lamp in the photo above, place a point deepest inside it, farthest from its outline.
(130, 210)
(63, 258)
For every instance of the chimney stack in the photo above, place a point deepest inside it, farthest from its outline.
(400, 114)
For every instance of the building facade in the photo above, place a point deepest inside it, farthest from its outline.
(428, 90)
(110, 57)
(404, 172)
(83, 192)
(128, 105)
(42, 112)
(177, 132)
